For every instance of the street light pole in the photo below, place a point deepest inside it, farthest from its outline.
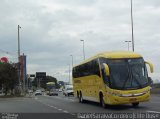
(83, 50)
(19, 57)
(128, 44)
(71, 69)
(69, 75)
(132, 28)
(72, 60)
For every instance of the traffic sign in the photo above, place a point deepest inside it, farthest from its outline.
(40, 74)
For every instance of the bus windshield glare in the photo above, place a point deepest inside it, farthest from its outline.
(127, 73)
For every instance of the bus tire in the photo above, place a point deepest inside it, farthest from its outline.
(102, 102)
(77, 94)
(135, 104)
(81, 98)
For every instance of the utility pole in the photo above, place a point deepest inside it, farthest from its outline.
(132, 28)
(19, 82)
(83, 50)
(24, 77)
(69, 75)
(72, 60)
(71, 69)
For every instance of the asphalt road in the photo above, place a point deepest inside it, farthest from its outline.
(68, 107)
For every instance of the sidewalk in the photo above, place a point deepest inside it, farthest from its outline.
(12, 96)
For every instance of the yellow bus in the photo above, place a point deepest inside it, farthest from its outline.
(113, 78)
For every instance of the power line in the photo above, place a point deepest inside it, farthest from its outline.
(7, 52)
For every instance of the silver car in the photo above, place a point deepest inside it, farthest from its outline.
(38, 92)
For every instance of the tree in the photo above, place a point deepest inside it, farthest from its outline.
(44, 81)
(8, 76)
(52, 79)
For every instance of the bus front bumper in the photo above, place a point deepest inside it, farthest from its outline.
(116, 100)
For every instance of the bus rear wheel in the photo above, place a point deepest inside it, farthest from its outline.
(81, 98)
(135, 104)
(77, 94)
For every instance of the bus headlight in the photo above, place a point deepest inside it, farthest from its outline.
(116, 94)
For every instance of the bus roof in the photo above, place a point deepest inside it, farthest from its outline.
(113, 55)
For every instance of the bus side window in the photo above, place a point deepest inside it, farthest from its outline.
(75, 73)
(95, 67)
(105, 78)
(81, 71)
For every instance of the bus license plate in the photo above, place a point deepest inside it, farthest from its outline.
(133, 99)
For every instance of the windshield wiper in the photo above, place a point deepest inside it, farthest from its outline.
(127, 77)
(135, 78)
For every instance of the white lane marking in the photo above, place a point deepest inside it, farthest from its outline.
(35, 98)
(72, 100)
(13, 100)
(65, 111)
(152, 111)
(53, 106)
(58, 97)
(154, 102)
(73, 114)
(43, 103)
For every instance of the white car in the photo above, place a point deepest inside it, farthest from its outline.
(53, 92)
(60, 90)
(38, 92)
(68, 90)
(30, 91)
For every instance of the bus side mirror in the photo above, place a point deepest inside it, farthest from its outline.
(150, 65)
(106, 67)
(150, 81)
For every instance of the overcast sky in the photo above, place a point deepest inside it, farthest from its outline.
(51, 31)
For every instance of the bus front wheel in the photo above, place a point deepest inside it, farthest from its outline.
(135, 104)
(103, 104)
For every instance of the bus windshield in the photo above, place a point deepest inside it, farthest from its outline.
(127, 73)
